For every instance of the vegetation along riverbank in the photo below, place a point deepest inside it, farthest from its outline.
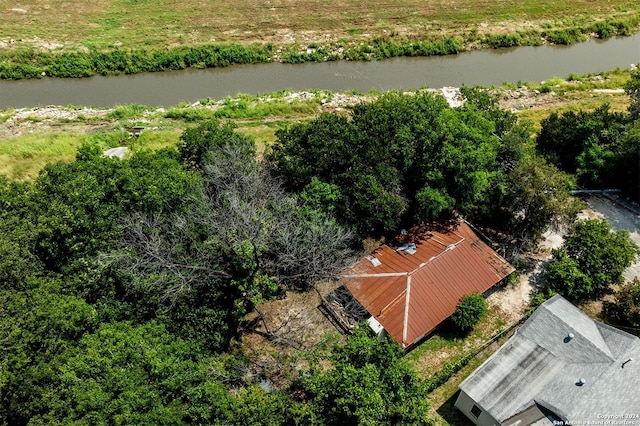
(33, 137)
(73, 39)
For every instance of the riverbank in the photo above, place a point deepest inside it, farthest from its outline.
(33, 137)
(74, 39)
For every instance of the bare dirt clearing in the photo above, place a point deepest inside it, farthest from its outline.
(514, 299)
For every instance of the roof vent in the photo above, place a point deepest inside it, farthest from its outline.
(629, 360)
(569, 337)
(408, 248)
(581, 381)
(374, 261)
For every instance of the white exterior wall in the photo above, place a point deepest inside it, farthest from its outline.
(464, 403)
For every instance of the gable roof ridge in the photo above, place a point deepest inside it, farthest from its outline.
(448, 249)
(575, 321)
(406, 311)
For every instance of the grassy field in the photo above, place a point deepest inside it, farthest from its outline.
(162, 26)
(105, 24)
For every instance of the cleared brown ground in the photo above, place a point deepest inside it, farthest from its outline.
(156, 23)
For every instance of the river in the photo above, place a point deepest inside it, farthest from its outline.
(481, 67)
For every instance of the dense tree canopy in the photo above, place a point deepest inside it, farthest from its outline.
(600, 147)
(369, 384)
(411, 158)
(124, 284)
(592, 258)
(119, 279)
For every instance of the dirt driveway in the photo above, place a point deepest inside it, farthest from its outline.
(514, 299)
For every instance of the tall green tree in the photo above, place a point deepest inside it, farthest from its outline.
(600, 147)
(537, 195)
(36, 328)
(564, 137)
(592, 258)
(17, 258)
(632, 88)
(399, 158)
(370, 384)
(78, 204)
(124, 374)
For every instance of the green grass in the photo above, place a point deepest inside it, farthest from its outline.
(442, 400)
(263, 134)
(447, 344)
(576, 92)
(22, 157)
(74, 38)
(572, 102)
(132, 24)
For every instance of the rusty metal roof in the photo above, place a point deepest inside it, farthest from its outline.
(411, 294)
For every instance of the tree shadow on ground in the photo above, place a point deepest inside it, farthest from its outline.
(451, 414)
(450, 332)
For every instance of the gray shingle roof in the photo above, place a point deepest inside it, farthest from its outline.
(540, 364)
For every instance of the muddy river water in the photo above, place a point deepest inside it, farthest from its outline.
(484, 67)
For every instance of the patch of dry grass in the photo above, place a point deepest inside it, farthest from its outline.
(577, 101)
(164, 23)
(447, 344)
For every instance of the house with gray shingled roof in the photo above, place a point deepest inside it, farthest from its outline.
(560, 367)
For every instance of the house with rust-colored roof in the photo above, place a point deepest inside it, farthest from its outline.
(411, 289)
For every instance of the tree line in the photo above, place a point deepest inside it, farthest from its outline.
(124, 285)
(602, 150)
(403, 160)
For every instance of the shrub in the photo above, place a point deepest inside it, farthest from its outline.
(444, 374)
(70, 65)
(568, 36)
(470, 310)
(18, 71)
(190, 114)
(127, 112)
(604, 30)
(502, 40)
(628, 302)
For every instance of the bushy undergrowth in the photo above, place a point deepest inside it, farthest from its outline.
(28, 63)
